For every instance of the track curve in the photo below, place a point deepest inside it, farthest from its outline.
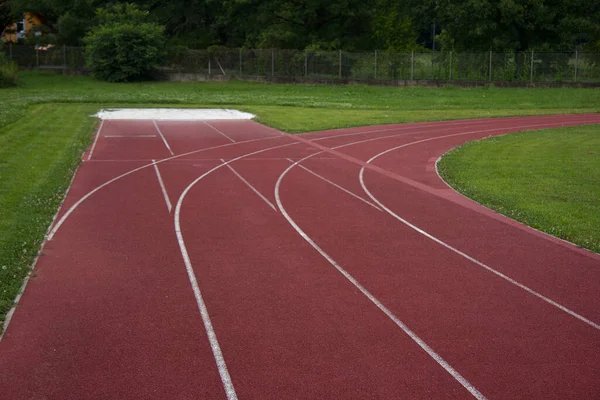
(336, 293)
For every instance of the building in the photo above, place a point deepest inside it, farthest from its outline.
(19, 29)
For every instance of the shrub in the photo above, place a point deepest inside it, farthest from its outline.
(8, 72)
(125, 46)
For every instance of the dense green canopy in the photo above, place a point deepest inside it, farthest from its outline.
(353, 25)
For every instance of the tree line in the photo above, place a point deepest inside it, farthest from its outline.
(351, 25)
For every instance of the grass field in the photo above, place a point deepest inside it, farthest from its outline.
(45, 125)
(547, 179)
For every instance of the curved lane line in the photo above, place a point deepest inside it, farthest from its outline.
(85, 197)
(443, 363)
(441, 124)
(435, 239)
(212, 336)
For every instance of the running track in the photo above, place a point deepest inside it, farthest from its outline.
(243, 262)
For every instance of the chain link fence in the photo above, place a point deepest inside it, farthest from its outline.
(331, 65)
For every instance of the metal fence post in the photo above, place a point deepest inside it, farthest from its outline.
(576, 64)
(340, 64)
(10, 51)
(272, 62)
(375, 64)
(491, 65)
(305, 64)
(450, 74)
(240, 61)
(209, 64)
(531, 68)
(64, 57)
(412, 65)
(37, 57)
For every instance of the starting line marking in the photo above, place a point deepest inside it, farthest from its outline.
(250, 186)
(220, 132)
(162, 187)
(163, 138)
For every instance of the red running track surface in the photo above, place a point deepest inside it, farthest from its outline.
(224, 259)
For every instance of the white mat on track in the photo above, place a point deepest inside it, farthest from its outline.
(172, 114)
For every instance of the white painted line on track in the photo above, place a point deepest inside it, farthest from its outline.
(443, 363)
(129, 136)
(212, 336)
(163, 138)
(90, 193)
(17, 299)
(74, 206)
(219, 131)
(162, 187)
(440, 124)
(251, 187)
(455, 250)
(95, 140)
(337, 186)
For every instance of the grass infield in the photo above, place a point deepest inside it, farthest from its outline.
(45, 125)
(548, 179)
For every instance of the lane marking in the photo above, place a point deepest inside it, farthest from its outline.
(222, 133)
(443, 363)
(442, 124)
(17, 299)
(95, 140)
(129, 136)
(162, 187)
(251, 187)
(163, 138)
(464, 255)
(520, 225)
(212, 336)
(86, 196)
(336, 185)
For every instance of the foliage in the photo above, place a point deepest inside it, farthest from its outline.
(556, 25)
(125, 46)
(6, 16)
(351, 25)
(8, 72)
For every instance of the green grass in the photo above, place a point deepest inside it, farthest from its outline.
(301, 108)
(548, 179)
(45, 126)
(38, 157)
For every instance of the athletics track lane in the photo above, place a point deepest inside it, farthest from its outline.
(111, 313)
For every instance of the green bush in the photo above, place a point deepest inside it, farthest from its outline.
(126, 46)
(8, 72)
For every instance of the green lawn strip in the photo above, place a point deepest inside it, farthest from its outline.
(389, 104)
(547, 179)
(38, 157)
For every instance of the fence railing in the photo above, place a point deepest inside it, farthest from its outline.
(384, 66)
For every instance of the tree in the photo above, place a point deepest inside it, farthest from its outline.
(517, 25)
(125, 46)
(6, 17)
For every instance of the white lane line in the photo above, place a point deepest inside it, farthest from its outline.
(129, 136)
(466, 256)
(163, 138)
(90, 193)
(337, 186)
(212, 336)
(251, 187)
(443, 363)
(162, 187)
(95, 140)
(222, 133)
(439, 124)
